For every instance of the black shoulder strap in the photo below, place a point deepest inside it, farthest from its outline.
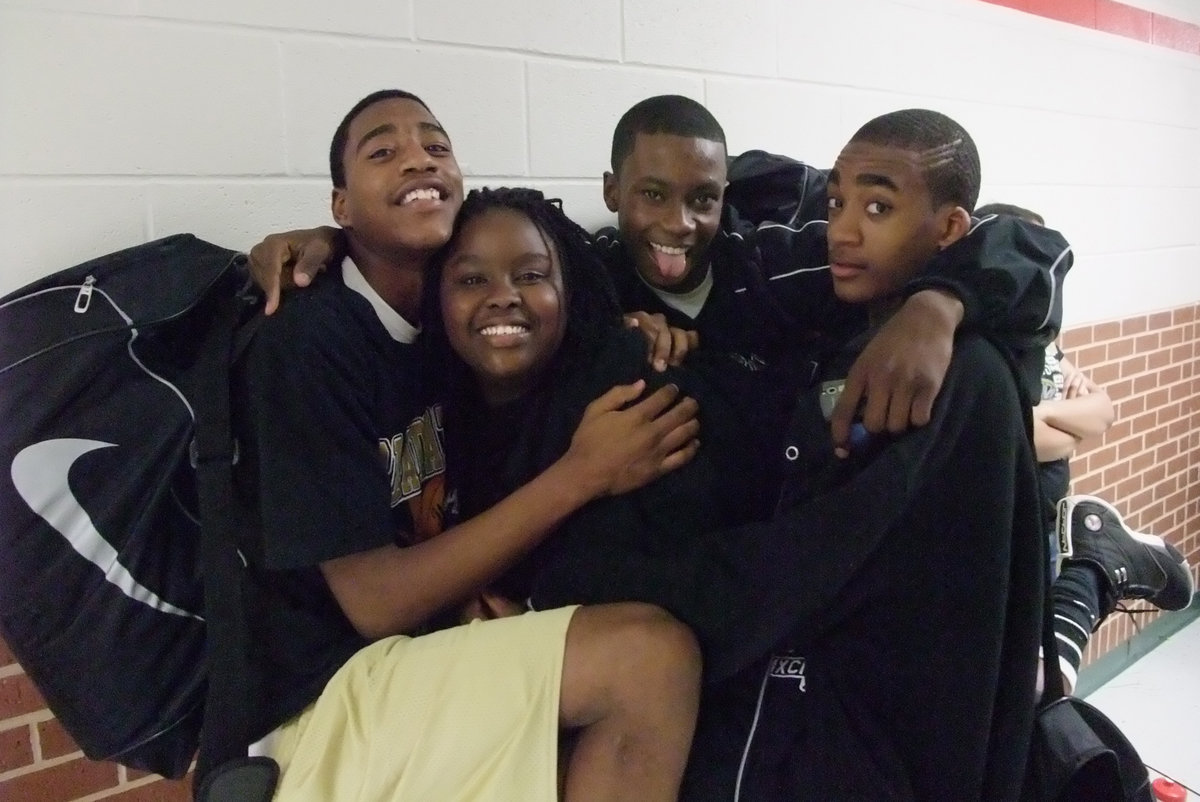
(222, 766)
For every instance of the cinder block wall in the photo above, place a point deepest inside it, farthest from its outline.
(127, 120)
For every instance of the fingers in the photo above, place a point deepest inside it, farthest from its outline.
(679, 424)
(267, 260)
(658, 336)
(679, 457)
(664, 399)
(681, 343)
(311, 261)
(661, 347)
(921, 411)
(845, 410)
(616, 398)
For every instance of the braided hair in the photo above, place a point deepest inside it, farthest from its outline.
(951, 161)
(592, 309)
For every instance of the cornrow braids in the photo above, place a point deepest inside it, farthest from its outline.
(949, 156)
(592, 309)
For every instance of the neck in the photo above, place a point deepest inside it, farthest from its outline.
(398, 278)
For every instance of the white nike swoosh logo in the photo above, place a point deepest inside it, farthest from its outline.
(40, 473)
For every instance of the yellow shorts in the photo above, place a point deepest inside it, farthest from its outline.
(465, 714)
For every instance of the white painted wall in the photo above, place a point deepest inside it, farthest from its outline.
(126, 120)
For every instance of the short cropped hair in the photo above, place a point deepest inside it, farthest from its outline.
(337, 148)
(663, 114)
(1010, 209)
(952, 171)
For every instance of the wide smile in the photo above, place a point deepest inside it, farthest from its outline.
(505, 335)
(429, 192)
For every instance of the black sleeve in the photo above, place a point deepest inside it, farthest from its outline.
(1009, 275)
(791, 266)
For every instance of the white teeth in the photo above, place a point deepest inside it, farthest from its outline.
(499, 331)
(421, 194)
(668, 250)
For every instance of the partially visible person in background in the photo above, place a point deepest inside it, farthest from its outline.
(1097, 572)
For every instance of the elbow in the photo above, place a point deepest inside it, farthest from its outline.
(374, 625)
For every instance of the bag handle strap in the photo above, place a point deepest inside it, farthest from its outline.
(228, 595)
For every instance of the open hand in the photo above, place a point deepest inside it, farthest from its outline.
(621, 445)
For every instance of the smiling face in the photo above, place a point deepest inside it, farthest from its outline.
(667, 195)
(883, 225)
(503, 303)
(403, 186)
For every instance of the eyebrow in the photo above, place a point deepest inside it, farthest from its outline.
(389, 128)
(653, 180)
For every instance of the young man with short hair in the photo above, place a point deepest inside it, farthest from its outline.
(919, 681)
(343, 462)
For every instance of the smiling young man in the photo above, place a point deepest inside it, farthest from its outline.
(343, 461)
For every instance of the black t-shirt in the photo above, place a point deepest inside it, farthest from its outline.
(343, 454)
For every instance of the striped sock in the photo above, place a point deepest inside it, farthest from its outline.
(1076, 614)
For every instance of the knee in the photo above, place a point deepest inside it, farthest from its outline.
(648, 646)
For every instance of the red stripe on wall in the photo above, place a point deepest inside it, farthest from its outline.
(1123, 20)
(1116, 18)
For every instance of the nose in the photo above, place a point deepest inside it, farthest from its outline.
(843, 228)
(678, 220)
(417, 159)
(503, 294)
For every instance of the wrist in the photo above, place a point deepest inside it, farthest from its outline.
(574, 482)
(938, 305)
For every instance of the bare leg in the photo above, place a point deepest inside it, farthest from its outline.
(631, 684)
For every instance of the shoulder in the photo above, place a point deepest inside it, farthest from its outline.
(326, 329)
(325, 315)
(979, 367)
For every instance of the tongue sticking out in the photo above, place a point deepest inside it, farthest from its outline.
(670, 265)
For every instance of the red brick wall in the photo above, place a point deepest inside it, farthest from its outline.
(40, 763)
(1148, 463)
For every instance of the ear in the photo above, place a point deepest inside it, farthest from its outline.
(955, 226)
(337, 205)
(612, 193)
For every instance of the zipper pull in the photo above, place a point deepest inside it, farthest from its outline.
(84, 299)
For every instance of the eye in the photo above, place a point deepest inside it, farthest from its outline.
(470, 280)
(381, 153)
(834, 203)
(653, 194)
(705, 203)
(530, 277)
(878, 207)
(438, 148)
